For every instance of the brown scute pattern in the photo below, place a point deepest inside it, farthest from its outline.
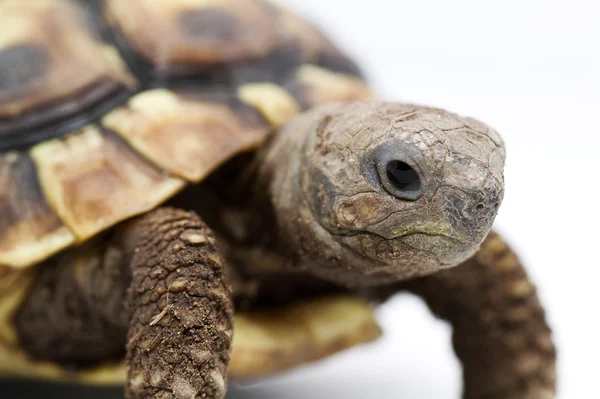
(238, 83)
(230, 41)
(165, 32)
(29, 229)
(57, 119)
(187, 136)
(209, 24)
(274, 68)
(74, 58)
(21, 65)
(316, 47)
(179, 341)
(309, 39)
(93, 180)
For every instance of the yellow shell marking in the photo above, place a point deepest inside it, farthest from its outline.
(263, 343)
(326, 86)
(94, 181)
(187, 137)
(273, 102)
(29, 229)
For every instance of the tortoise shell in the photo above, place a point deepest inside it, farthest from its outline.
(109, 108)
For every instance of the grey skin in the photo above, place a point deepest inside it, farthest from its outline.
(338, 213)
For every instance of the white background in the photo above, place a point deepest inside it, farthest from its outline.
(531, 69)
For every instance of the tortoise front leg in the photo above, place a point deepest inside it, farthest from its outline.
(177, 309)
(180, 333)
(500, 332)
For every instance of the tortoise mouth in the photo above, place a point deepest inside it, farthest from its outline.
(408, 249)
(431, 243)
(449, 251)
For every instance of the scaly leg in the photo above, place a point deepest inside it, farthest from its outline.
(180, 332)
(500, 332)
(178, 307)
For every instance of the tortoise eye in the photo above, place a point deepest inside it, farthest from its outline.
(404, 178)
(398, 168)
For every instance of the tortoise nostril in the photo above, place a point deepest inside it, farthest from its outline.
(479, 207)
(402, 176)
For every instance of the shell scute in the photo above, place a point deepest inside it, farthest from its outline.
(119, 104)
(94, 180)
(185, 135)
(29, 229)
(167, 33)
(312, 85)
(57, 53)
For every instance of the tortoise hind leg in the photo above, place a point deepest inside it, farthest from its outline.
(180, 332)
(74, 313)
(174, 301)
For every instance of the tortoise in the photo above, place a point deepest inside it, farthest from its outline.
(162, 162)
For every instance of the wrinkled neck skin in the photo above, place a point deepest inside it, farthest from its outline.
(319, 203)
(283, 215)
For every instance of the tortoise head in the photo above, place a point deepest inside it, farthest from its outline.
(376, 192)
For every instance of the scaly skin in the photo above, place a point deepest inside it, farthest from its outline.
(181, 327)
(334, 212)
(499, 329)
(178, 307)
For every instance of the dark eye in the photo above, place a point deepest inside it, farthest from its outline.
(401, 180)
(398, 168)
(403, 177)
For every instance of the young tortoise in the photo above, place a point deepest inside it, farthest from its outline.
(111, 109)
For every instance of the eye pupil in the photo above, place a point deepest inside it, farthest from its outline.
(402, 166)
(403, 177)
